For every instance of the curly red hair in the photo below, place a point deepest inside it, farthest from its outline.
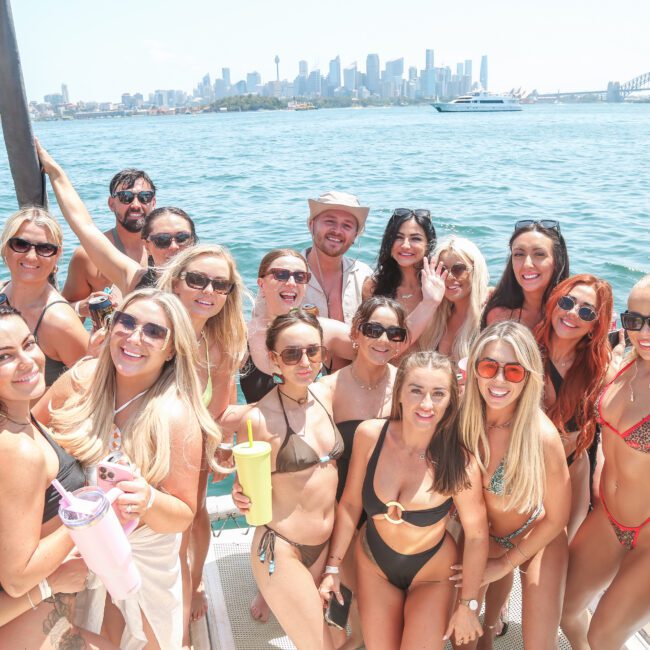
(586, 375)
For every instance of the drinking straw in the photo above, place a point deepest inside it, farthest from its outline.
(80, 505)
(249, 424)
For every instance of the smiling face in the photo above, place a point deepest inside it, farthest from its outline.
(458, 286)
(134, 353)
(410, 244)
(203, 303)
(21, 362)
(532, 261)
(131, 215)
(30, 267)
(300, 335)
(379, 351)
(170, 224)
(280, 296)
(498, 392)
(424, 397)
(639, 302)
(334, 231)
(568, 325)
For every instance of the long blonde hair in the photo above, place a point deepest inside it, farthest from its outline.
(525, 475)
(84, 424)
(642, 284)
(472, 256)
(227, 329)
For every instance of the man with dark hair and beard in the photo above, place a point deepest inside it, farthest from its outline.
(132, 198)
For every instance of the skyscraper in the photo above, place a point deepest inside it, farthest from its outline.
(334, 76)
(372, 73)
(64, 93)
(484, 72)
(395, 68)
(350, 78)
(468, 69)
(429, 60)
(253, 80)
(303, 69)
(413, 73)
(225, 75)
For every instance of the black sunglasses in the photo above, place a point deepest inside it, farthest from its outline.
(196, 280)
(165, 239)
(549, 224)
(567, 303)
(127, 196)
(375, 330)
(283, 275)
(633, 321)
(152, 333)
(20, 245)
(407, 212)
(293, 354)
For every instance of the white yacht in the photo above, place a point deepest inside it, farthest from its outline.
(479, 101)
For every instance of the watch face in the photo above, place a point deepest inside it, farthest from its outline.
(473, 604)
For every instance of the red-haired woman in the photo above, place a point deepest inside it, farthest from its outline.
(576, 351)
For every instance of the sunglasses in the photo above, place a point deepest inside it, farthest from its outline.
(127, 196)
(196, 280)
(407, 212)
(283, 275)
(457, 270)
(567, 303)
(165, 239)
(375, 330)
(20, 245)
(633, 321)
(489, 368)
(293, 354)
(549, 224)
(152, 333)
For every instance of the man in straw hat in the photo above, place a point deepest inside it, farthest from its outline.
(336, 219)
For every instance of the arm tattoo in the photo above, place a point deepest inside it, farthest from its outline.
(58, 626)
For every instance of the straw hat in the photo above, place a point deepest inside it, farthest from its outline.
(338, 201)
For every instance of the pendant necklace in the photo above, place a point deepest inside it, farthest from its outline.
(300, 400)
(368, 387)
(636, 368)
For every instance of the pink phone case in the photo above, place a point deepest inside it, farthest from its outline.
(109, 474)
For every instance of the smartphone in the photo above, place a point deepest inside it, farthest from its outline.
(110, 472)
(613, 339)
(337, 614)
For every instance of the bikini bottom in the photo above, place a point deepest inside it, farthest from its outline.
(626, 535)
(400, 569)
(505, 541)
(266, 548)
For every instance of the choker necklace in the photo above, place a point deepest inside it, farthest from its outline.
(505, 425)
(301, 400)
(406, 296)
(22, 424)
(368, 387)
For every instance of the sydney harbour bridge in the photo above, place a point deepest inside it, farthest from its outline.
(615, 92)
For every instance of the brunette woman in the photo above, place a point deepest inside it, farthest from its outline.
(455, 323)
(409, 237)
(32, 243)
(142, 398)
(611, 550)
(538, 262)
(410, 469)
(38, 580)
(525, 479)
(288, 554)
(576, 353)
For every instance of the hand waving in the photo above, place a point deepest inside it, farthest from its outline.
(433, 282)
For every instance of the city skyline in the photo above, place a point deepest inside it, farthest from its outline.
(102, 51)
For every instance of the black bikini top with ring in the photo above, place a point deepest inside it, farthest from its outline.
(373, 505)
(295, 454)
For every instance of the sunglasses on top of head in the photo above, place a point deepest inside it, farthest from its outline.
(567, 303)
(633, 321)
(128, 196)
(196, 280)
(20, 245)
(489, 368)
(165, 239)
(152, 333)
(407, 212)
(375, 330)
(283, 275)
(549, 224)
(293, 354)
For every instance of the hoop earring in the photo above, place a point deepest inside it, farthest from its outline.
(277, 378)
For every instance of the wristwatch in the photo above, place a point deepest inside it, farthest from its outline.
(472, 603)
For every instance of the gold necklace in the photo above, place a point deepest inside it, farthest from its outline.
(368, 387)
(22, 424)
(505, 425)
(636, 368)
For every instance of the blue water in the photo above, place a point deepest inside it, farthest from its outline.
(246, 177)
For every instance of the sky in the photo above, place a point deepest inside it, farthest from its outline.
(102, 49)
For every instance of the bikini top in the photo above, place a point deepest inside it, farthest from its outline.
(497, 480)
(347, 429)
(557, 380)
(295, 454)
(373, 505)
(207, 392)
(254, 383)
(638, 435)
(148, 279)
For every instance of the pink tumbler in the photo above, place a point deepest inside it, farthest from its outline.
(101, 540)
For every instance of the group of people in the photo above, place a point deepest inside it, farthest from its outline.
(430, 435)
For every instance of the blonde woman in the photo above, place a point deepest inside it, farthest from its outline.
(206, 281)
(455, 323)
(526, 481)
(142, 398)
(32, 243)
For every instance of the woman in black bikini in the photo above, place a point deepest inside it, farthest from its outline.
(576, 354)
(525, 479)
(611, 549)
(288, 555)
(32, 243)
(410, 469)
